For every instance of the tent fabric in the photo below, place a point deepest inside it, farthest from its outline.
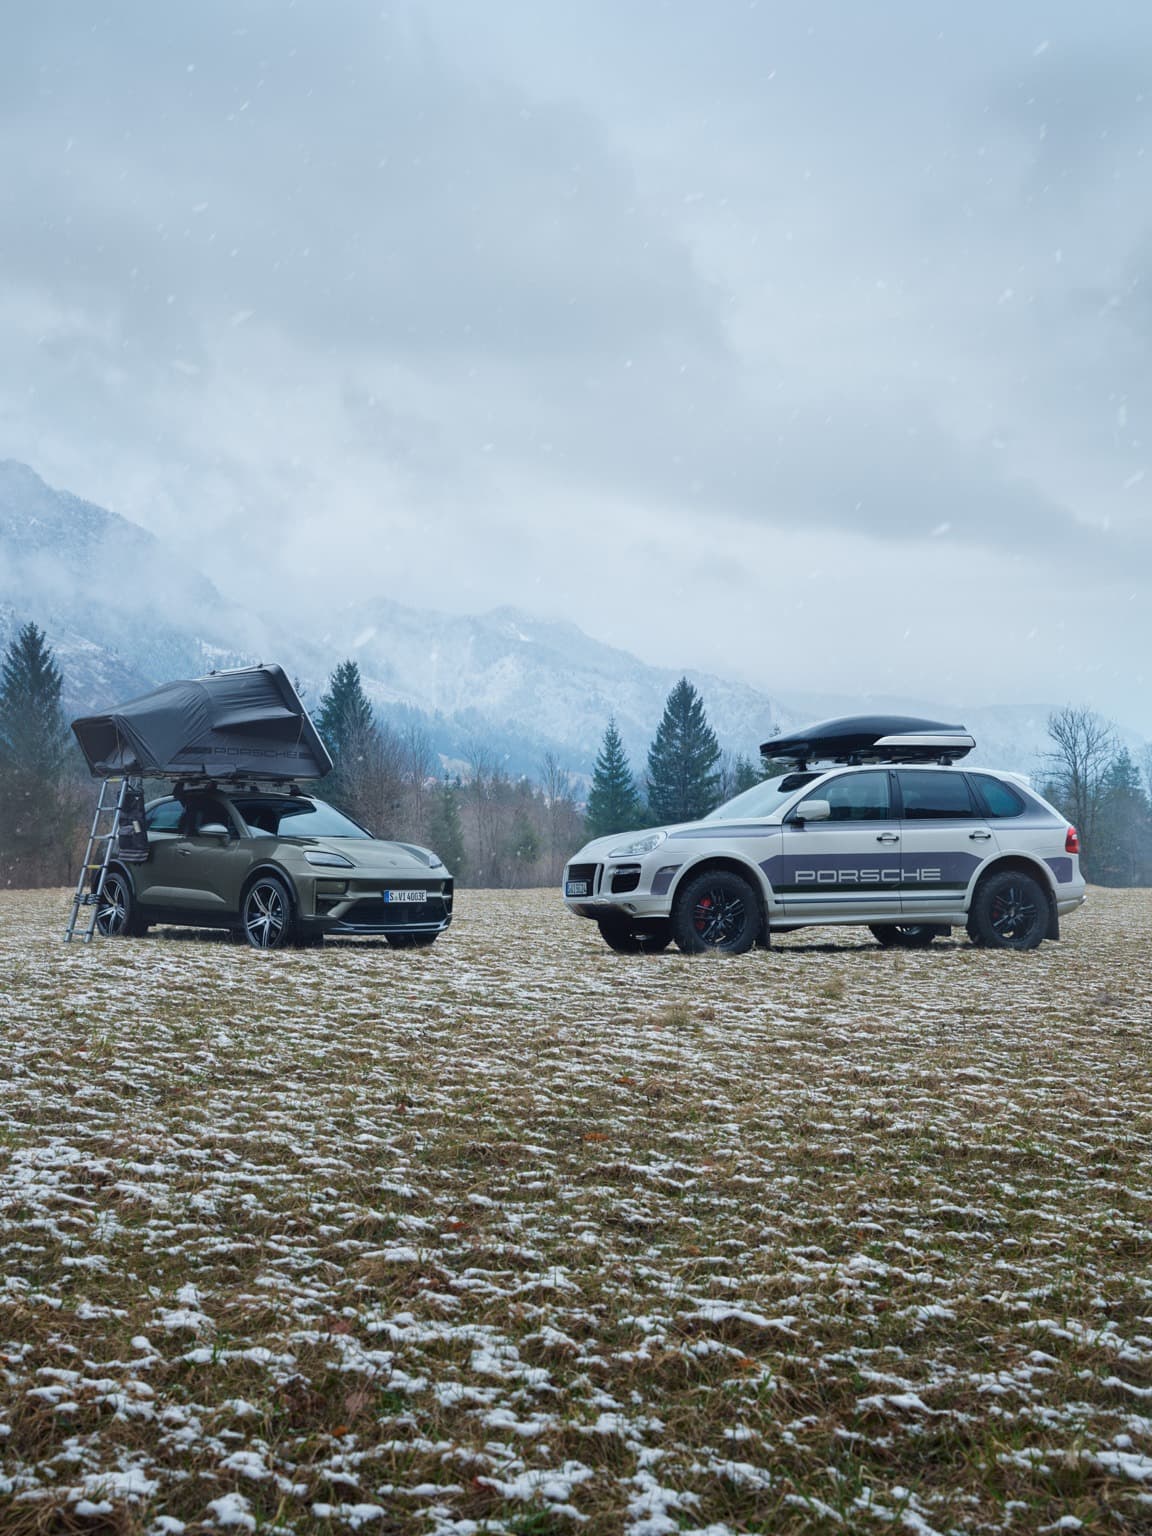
(248, 723)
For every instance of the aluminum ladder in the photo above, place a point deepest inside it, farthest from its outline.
(97, 855)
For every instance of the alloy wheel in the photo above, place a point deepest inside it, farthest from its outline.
(718, 916)
(265, 914)
(1012, 914)
(112, 907)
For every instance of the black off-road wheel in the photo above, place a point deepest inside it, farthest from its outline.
(716, 913)
(635, 936)
(411, 940)
(266, 914)
(904, 935)
(1009, 911)
(116, 913)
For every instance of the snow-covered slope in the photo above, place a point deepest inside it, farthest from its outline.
(124, 612)
(545, 681)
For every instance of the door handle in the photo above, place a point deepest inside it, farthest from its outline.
(981, 837)
(887, 837)
(184, 852)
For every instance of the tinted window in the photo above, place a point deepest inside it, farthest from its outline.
(296, 818)
(164, 817)
(999, 799)
(855, 797)
(205, 813)
(935, 797)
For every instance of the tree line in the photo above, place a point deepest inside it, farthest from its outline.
(493, 828)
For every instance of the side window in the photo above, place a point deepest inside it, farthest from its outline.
(259, 817)
(203, 813)
(164, 817)
(998, 799)
(856, 797)
(936, 797)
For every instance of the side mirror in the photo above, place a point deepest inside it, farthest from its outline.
(813, 810)
(215, 829)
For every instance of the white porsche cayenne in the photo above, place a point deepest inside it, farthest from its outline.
(893, 836)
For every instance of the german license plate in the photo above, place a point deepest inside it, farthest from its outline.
(405, 896)
(576, 888)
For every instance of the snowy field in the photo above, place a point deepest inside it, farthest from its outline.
(519, 1235)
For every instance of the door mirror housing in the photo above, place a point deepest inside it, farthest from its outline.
(215, 829)
(813, 810)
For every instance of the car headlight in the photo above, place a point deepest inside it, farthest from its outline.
(327, 860)
(638, 846)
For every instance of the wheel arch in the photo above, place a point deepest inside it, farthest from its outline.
(269, 868)
(115, 867)
(734, 866)
(1025, 864)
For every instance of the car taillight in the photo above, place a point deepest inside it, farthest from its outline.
(1072, 841)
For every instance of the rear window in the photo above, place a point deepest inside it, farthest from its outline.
(935, 797)
(998, 799)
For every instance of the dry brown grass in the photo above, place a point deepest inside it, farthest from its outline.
(517, 1231)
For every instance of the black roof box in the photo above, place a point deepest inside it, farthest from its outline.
(873, 739)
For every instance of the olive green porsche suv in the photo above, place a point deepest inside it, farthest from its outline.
(276, 869)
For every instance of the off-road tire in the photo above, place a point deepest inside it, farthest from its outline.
(629, 936)
(716, 913)
(268, 918)
(904, 935)
(1010, 910)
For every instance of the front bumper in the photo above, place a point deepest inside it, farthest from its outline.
(621, 887)
(360, 905)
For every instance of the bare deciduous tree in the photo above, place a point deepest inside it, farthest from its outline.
(1083, 746)
(564, 828)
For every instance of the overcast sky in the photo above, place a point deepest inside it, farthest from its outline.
(806, 343)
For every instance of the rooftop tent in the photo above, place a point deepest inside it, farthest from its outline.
(873, 738)
(248, 724)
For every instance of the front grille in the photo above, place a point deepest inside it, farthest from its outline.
(583, 872)
(396, 914)
(371, 911)
(625, 879)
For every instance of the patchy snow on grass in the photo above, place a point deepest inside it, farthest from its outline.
(517, 1235)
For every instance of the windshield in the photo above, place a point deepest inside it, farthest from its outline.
(268, 817)
(762, 799)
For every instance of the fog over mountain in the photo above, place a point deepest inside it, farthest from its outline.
(126, 611)
(804, 344)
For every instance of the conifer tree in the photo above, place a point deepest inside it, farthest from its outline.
(445, 829)
(523, 842)
(348, 727)
(33, 748)
(682, 776)
(613, 799)
(1122, 848)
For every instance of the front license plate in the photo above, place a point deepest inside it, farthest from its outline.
(576, 888)
(405, 896)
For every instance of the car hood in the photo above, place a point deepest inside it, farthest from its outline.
(375, 854)
(599, 850)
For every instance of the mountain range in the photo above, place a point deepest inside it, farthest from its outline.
(124, 612)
